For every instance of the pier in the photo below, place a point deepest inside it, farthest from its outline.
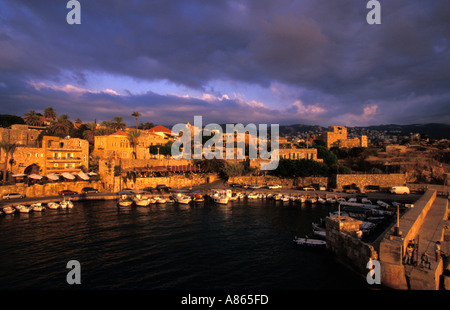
(424, 224)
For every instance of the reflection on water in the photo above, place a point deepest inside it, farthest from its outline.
(242, 245)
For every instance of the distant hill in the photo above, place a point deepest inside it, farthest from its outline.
(433, 130)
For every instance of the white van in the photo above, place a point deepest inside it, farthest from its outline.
(399, 190)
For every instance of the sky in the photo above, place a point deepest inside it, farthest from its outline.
(313, 62)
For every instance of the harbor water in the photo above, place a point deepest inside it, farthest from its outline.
(245, 245)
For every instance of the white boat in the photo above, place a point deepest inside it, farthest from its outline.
(321, 200)
(23, 209)
(53, 205)
(284, 198)
(124, 201)
(352, 199)
(366, 201)
(221, 199)
(341, 199)
(66, 204)
(160, 199)
(37, 207)
(9, 210)
(382, 203)
(252, 196)
(183, 199)
(276, 197)
(142, 202)
(302, 199)
(311, 200)
(331, 200)
(320, 232)
(309, 242)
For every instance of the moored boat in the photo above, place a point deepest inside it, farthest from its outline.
(53, 205)
(23, 209)
(309, 242)
(9, 210)
(37, 207)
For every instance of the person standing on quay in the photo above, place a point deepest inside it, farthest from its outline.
(437, 248)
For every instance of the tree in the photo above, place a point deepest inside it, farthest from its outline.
(49, 113)
(136, 115)
(8, 149)
(117, 123)
(90, 132)
(32, 118)
(62, 126)
(133, 137)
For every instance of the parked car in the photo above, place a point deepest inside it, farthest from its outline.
(308, 188)
(67, 192)
(149, 189)
(403, 190)
(13, 195)
(162, 188)
(86, 190)
(274, 186)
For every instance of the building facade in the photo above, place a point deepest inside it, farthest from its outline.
(336, 136)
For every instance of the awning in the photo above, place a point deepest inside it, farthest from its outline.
(83, 175)
(52, 176)
(68, 175)
(35, 176)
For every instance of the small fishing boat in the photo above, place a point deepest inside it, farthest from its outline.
(320, 232)
(23, 209)
(331, 200)
(252, 196)
(9, 210)
(199, 198)
(183, 199)
(366, 201)
(309, 242)
(311, 200)
(37, 207)
(66, 204)
(160, 200)
(53, 205)
(124, 201)
(321, 200)
(221, 199)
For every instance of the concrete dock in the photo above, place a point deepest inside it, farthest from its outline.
(426, 223)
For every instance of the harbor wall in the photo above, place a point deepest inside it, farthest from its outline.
(343, 242)
(174, 181)
(285, 182)
(363, 180)
(48, 189)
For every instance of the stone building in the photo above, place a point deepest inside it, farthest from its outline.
(118, 146)
(336, 136)
(20, 134)
(56, 155)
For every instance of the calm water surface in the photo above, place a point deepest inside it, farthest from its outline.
(244, 245)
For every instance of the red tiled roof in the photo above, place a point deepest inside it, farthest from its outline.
(160, 128)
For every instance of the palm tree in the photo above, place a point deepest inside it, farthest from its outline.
(136, 115)
(49, 113)
(32, 118)
(8, 148)
(133, 137)
(117, 123)
(90, 133)
(61, 126)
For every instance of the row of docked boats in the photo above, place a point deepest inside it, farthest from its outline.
(37, 207)
(143, 199)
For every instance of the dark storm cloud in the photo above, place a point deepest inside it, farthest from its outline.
(345, 67)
